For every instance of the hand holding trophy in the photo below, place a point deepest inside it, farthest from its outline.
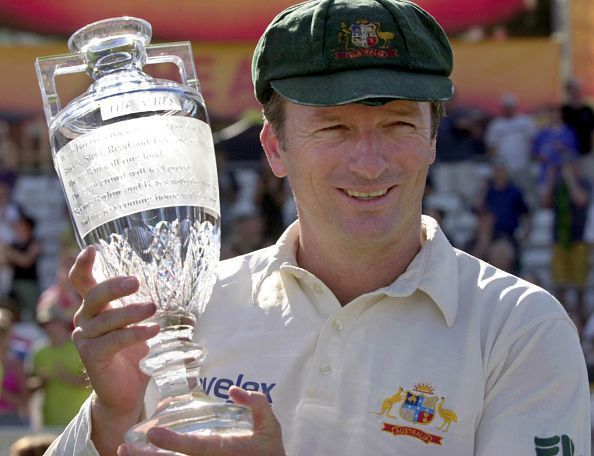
(136, 162)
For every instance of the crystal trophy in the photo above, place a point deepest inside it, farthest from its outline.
(135, 158)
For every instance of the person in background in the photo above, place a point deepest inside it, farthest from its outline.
(569, 193)
(554, 143)
(9, 214)
(459, 144)
(228, 191)
(22, 255)
(578, 116)
(247, 232)
(32, 445)
(56, 367)
(503, 206)
(13, 395)
(502, 254)
(509, 140)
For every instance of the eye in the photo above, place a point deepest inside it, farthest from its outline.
(401, 124)
(336, 127)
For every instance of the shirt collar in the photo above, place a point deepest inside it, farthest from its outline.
(434, 270)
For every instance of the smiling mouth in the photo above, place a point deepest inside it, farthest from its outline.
(365, 195)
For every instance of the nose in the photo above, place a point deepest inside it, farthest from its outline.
(367, 159)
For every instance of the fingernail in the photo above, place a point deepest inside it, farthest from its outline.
(240, 392)
(86, 253)
(129, 284)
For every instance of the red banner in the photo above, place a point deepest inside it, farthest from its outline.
(219, 20)
(412, 432)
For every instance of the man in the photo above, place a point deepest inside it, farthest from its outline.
(459, 146)
(364, 330)
(509, 139)
(578, 116)
(567, 192)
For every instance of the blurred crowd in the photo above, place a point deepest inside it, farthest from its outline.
(514, 189)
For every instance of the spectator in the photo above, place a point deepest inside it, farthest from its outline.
(270, 197)
(8, 175)
(509, 140)
(228, 190)
(248, 232)
(459, 143)
(13, 396)
(57, 368)
(504, 207)
(32, 445)
(502, 254)
(554, 142)
(22, 255)
(9, 214)
(578, 116)
(568, 193)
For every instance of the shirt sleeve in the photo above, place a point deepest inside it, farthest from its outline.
(76, 438)
(537, 397)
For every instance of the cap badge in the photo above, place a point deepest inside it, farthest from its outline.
(364, 39)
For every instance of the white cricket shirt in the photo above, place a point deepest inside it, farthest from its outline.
(453, 358)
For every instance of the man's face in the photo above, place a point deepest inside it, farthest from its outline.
(357, 172)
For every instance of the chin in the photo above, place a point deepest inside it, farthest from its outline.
(371, 233)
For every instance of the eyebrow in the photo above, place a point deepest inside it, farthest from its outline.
(407, 109)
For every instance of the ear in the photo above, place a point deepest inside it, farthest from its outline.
(273, 149)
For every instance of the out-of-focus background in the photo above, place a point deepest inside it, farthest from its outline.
(512, 183)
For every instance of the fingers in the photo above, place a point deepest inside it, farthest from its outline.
(266, 438)
(81, 273)
(113, 319)
(100, 295)
(264, 420)
(103, 348)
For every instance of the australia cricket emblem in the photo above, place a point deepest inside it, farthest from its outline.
(364, 38)
(363, 34)
(418, 408)
(419, 405)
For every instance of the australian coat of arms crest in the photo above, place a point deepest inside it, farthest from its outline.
(417, 407)
(364, 38)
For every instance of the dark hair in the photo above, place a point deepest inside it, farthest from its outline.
(32, 445)
(30, 222)
(274, 113)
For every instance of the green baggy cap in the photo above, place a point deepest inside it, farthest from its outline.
(332, 52)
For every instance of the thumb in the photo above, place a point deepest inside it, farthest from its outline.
(264, 420)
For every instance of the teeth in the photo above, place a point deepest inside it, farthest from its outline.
(362, 195)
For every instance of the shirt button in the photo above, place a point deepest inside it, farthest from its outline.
(337, 325)
(318, 288)
(325, 369)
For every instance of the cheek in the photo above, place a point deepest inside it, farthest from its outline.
(414, 155)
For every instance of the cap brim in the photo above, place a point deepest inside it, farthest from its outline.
(352, 86)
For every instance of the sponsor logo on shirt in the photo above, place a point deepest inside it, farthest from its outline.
(418, 408)
(219, 386)
(556, 445)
